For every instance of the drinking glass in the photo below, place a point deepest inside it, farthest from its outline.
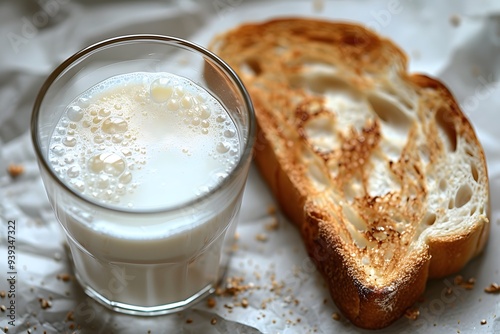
(163, 259)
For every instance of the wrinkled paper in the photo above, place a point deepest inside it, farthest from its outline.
(275, 287)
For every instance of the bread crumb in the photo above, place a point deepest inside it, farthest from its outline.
(318, 5)
(412, 313)
(336, 316)
(3, 308)
(271, 209)
(15, 170)
(493, 288)
(5, 329)
(468, 285)
(64, 277)
(273, 226)
(189, 321)
(213, 321)
(70, 316)
(211, 302)
(2, 294)
(261, 237)
(483, 322)
(455, 20)
(44, 303)
(244, 303)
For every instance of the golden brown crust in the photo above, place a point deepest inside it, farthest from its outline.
(357, 152)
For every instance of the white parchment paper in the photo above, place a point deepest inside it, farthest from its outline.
(276, 289)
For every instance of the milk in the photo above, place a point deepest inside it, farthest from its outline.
(144, 141)
(138, 145)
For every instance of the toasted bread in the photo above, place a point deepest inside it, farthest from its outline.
(378, 168)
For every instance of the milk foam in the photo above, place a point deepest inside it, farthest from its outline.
(144, 141)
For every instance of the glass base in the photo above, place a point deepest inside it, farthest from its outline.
(146, 310)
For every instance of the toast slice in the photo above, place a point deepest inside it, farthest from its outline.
(378, 168)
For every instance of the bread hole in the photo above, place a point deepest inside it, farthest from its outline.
(318, 82)
(353, 218)
(391, 114)
(481, 210)
(446, 127)
(251, 67)
(429, 218)
(469, 152)
(443, 185)
(396, 94)
(463, 196)
(472, 210)
(320, 132)
(475, 173)
(451, 203)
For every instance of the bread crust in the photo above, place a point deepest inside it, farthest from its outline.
(283, 150)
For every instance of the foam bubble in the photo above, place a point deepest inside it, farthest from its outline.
(58, 150)
(110, 163)
(127, 124)
(160, 90)
(69, 141)
(113, 125)
(229, 133)
(223, 147)
(75, 113)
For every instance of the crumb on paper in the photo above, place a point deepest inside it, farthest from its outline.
(272, 226)
(5, 329)
(271, 209)
(44, 303)
(412, 313)
(3, 294)
(318, 5)
(64, 277)
(455, 20)
(233, 286)
(336, 316)
(493, 288)
(211, 303)
(466, 284)
(244, 303)
(15, 170)
(3, 308)
(70, 316)
(261, 237)
(213, 321)
(189, 321)
(483, 322)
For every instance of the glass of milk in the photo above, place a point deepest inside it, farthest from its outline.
(144, 144)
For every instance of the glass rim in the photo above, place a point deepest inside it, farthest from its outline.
(172, 41)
